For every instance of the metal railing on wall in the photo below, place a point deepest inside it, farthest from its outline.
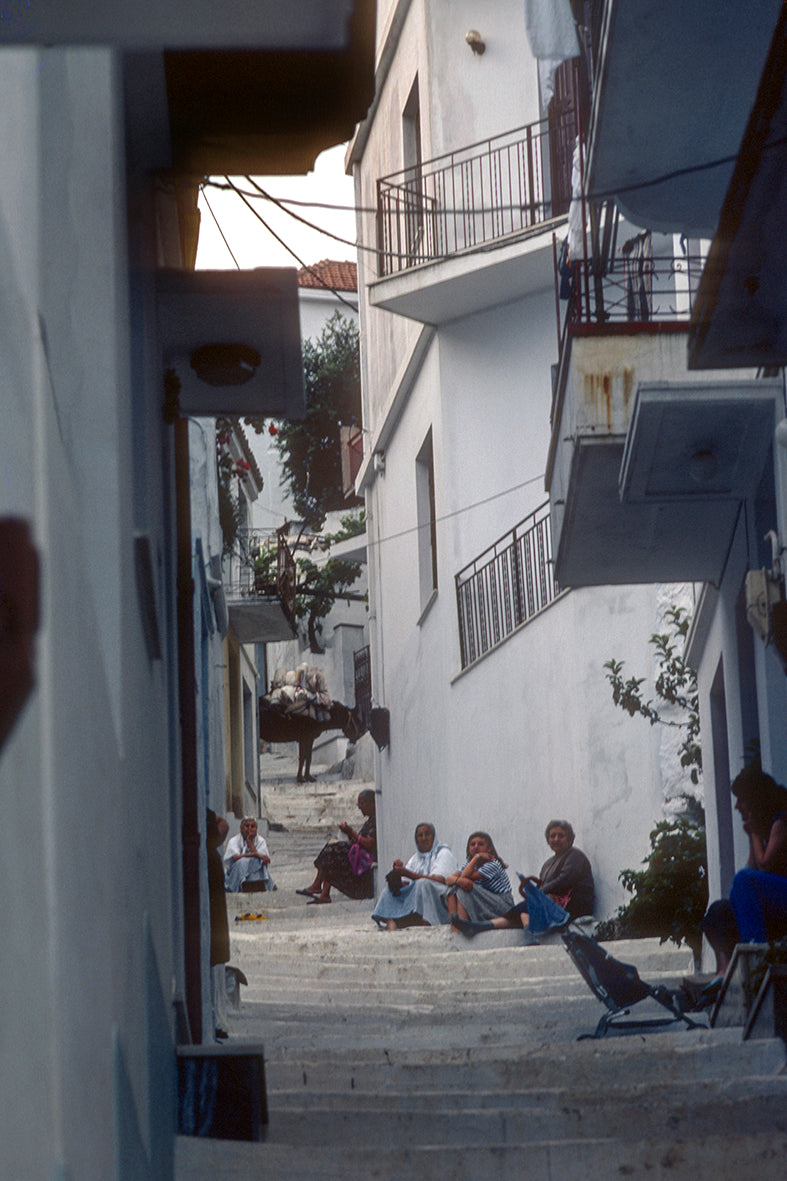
(247, 576)
(363, 685)
(634, 289)
(506, 585)
(477, 194)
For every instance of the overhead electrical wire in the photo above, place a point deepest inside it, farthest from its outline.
(438, 520)
(221, 231)
(305, 266)
(601, 194)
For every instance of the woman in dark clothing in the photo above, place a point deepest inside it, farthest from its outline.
(756, 910)
(566, 877)
(333, 862)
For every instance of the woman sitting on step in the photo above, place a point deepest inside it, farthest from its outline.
(246, 860)
(481, 890)
(347, 865)
(756, 910)
(413, 896)
(566, 879)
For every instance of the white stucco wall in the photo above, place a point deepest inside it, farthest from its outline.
(91, 829)
(530, 732)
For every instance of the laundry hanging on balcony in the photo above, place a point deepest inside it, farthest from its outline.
(552, 35)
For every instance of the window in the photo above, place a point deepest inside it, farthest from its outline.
(427, 523)
(411, 154)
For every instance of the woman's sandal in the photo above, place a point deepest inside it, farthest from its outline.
(315, 899)
(308, 893)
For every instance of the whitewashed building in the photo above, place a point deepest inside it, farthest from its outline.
(500, 714)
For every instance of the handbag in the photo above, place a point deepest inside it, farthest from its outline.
(360, 859)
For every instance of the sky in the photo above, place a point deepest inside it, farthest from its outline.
(252, 245)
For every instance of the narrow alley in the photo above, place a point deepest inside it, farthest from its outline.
(420, 1053)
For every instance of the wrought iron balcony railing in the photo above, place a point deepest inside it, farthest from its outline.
(246, 578)
(637, 288)
(480, 193)
(505, 586)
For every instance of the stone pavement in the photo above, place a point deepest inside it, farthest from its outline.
(419, 1053)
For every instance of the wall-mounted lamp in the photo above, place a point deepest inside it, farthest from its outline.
(473, 39)
(225, 364)
(379, 463)
(703, 465)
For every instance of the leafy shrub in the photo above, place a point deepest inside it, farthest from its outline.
(670, 895)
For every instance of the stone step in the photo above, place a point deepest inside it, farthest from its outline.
(669, 1158)
(649, 1111)
(423, 1028)
(679, 1056)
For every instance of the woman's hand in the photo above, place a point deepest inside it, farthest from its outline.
(531, 878)
(398, 865)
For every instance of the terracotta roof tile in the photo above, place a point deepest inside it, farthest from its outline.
(341, 276)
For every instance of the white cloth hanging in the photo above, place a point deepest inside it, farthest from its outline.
(550, 29)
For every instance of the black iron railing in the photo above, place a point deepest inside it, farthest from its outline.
(250, 575)
(477, 194)
(505, 586)
(363, 685)
(637, 288)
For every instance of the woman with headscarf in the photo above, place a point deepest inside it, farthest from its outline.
(412, 896)
(246, 860)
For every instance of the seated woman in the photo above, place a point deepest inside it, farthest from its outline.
(566, 878)
(481, 890)
(757, 908)
(335, 861)
(417, 901)
(246, 860)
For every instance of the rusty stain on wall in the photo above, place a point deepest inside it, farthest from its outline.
(598, 393)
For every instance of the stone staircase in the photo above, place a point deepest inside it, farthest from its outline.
(419, 1053)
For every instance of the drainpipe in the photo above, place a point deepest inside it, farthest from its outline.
(188, 733)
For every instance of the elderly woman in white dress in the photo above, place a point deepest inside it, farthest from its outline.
(246, 860)
(413, 894)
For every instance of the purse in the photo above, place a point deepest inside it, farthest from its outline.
(360, 859)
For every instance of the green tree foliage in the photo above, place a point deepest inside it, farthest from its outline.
(318, 585)
(309, 449)
(670, 895)
(675, 686)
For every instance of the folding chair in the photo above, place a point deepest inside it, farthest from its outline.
(618, 986)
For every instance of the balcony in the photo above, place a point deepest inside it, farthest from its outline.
(674, 83)
(648, 462)
(504, 587)
(260, 603)
(465, 230)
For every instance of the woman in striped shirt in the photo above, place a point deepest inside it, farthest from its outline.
(481, 890)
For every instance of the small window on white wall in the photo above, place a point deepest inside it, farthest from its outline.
(427, 523)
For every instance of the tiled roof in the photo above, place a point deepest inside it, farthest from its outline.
(341, 276)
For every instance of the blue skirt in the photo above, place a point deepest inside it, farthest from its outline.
(422, 897)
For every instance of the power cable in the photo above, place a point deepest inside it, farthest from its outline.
(457, 512)
(353, 307)
(221, 231)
